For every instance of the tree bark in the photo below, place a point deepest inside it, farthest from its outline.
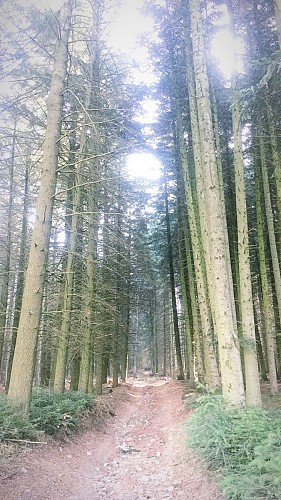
(173, 292)
(276, 161)
(189, 335)
(253, 394)
(7, 264)
(89, 294)
(210, 363)
(270, 224)
(61, 357)
(24, 356)
(125, 349)
(222, 296)
(270, 340)
(21, 273)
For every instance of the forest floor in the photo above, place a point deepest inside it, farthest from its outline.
(137, 452)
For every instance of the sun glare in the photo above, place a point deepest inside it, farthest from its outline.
(228, 51)
(149, 112)
(144, 165)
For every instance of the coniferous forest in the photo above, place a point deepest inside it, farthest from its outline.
(105, 274)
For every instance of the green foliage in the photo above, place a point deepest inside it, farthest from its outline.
(49, 412)
(243, 445)
(14, 424)
(261, 478)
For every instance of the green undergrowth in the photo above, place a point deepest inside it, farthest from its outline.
(243, 446)
(49, 413)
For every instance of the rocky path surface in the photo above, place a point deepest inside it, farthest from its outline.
(139, 454)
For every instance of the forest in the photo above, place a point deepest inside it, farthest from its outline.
(106, 275)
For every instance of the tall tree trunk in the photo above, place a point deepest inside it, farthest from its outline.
(24, 356)
(198, 227)
(21, 273)
(6, 268)
(89, 294)
(270, 340)
(155, 326)
(263, 365)
(61, 356)
(189, 335)
(222, 194)
(165, 334)
(253, 394)
(222, 296)
(118, 290)
(276, 161)
(92, 203)
(173, 291)
(270, 223)
(125, 349)
(70, 184)
(102, 337)
(210, 363)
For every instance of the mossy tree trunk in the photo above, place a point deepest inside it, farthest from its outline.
(267, 306)
(221, 294)
(276, 163)
(270, 223)
(188, 324)
(253, 394)
(197, 220)
(210, 363)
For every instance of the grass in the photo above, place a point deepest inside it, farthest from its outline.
(243, 446)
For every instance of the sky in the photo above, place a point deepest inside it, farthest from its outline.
(129, 23)
(124, 34)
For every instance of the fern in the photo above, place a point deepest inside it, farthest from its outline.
(244, 446)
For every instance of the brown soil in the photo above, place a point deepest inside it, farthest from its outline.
(138, 453)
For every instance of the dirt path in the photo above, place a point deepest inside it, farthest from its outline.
(139, 454)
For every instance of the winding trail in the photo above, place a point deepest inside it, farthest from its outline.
(138, 454)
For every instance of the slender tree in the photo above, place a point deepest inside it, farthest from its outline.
(24, 356)
(173, 291)
(266, 300)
